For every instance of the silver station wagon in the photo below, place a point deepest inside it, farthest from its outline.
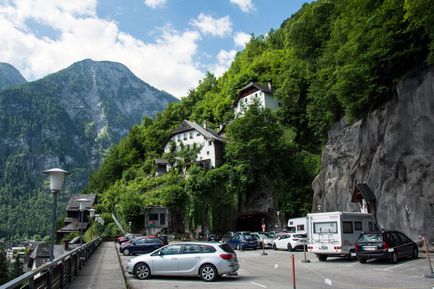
(209, 260)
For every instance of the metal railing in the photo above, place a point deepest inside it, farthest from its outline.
(56, 274)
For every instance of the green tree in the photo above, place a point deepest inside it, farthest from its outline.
(4, 267)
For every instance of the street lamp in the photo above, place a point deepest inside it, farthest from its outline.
(56, 176)
(91, 216)
(82, 207)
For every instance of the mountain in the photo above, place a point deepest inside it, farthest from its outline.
(68, 119)
(9, 76)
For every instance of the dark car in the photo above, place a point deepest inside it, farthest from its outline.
(227, 236)
(389, 245)
(142, 246)
(241, 241)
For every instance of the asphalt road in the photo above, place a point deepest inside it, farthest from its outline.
(274, 271)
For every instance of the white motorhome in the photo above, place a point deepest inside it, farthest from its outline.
(335, 233)
(298, 225)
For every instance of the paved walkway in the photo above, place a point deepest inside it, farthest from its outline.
(102, 270)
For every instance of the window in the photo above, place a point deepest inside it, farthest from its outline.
(198, 134)
(171, 250)
(191, 249)
(300, 227)
(207, 249)
(209, 142)
(153, 217)
(191, 134)
(207, 152)
(162, 219)
(185, 136)
(325, 227)
(358, 226)
(347, 227)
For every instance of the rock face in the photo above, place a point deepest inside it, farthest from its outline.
(392, 151)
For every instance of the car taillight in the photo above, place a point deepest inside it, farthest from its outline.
(226, 256)
(295, 239)
(386, 245)
(356, 247)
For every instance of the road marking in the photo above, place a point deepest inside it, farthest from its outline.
(328, 281)
(399, 265)
(276, 266)
(257, 284)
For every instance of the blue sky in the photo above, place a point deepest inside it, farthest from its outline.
(168, 43)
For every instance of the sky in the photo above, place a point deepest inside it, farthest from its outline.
(169, 44)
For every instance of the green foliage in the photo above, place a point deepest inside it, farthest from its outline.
(330, 60)
(17, 268)
(4, 267)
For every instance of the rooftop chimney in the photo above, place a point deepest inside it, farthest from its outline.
(270, 85)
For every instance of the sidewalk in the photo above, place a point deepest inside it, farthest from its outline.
(103, 270)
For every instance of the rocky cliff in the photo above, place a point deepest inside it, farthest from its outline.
(392, 151)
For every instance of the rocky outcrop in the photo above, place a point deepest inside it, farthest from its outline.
(392, 151)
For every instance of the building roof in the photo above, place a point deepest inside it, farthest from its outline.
(191, 125)
(73, 205)
(73, 227)
(42, 250)
(250, 88)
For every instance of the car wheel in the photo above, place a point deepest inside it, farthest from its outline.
(142, 271)
(127, 252)
(208, 273)
(290, 249)
(274, 246)
(415, 253)
(322, 258)
(394, 258)
(362, 261)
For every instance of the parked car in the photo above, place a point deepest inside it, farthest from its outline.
(209, 260)
(142, 246)
(227, 236)
(126, 238)
(135, 238)
(290, 242)
(264, 238)
(213, 237)
(389, 245)
(243, 240)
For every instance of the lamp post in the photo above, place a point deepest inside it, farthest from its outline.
(82, 207)
(91, 216)
(129, 226)
(56, 176)
(278, 219)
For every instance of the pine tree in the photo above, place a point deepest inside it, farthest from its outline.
(4, 277)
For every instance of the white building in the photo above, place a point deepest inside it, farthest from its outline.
(254, 91)
(210, 142)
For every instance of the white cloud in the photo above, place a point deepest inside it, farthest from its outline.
(166, 63)
(224, 60)
(155, 3)
(215, 27)
(245, 5)
(241, 39)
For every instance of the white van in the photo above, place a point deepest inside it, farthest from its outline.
(335, 233)
(298, 225)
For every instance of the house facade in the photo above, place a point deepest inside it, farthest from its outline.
(255, 92)
(72, 219)
(210, 142)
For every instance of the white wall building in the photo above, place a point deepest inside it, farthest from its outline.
(254, 91)
(211, 143)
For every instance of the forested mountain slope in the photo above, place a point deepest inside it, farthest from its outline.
(9, 76)
(68, 119)
(330, 60)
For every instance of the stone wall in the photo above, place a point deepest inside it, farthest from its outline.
(392, 150)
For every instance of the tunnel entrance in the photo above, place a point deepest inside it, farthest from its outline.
(252, 222)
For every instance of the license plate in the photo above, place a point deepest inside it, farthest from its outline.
(369, 248)
(323, 247)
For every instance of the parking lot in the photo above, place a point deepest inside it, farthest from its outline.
(274, 271)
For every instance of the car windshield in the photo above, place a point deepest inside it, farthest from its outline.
(371, 238)
(300, 236)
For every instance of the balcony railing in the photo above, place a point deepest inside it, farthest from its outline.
(56, 274)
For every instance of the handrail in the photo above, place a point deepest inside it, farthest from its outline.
(56, 274)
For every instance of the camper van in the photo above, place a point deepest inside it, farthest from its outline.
(335, 233)
(298, 225)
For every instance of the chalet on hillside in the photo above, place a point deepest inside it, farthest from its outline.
(190, 133)
(247, 95)
(72, 219)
